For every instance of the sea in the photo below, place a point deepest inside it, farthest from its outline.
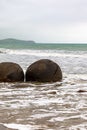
(46, 106)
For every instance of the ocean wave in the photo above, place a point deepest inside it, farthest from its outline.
(3, 50)
(20, 126)
(42, 53)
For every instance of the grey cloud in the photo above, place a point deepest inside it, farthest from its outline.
(45, 10)
(41, 19)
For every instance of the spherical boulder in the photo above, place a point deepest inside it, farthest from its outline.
(44, 70)
(11, 72)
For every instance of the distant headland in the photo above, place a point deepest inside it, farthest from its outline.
(12, 40)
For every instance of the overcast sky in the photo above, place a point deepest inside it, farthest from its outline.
(44, 20)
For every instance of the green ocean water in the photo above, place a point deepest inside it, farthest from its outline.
(46, 46)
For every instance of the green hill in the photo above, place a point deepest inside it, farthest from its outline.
(10, 41)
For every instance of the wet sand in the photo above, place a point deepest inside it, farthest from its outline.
(50, 106)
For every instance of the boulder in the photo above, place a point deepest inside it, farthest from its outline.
(11, 72)
(44, 70)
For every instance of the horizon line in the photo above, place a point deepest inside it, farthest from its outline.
(45, 42)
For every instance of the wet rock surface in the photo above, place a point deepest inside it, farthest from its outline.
(11, 72)
(44, 70)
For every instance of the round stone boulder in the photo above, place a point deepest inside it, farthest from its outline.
(11, 72)
(44, 70)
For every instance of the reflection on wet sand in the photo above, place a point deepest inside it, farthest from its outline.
(44, 106)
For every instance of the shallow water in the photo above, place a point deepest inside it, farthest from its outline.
(48, 106)
(54, 106)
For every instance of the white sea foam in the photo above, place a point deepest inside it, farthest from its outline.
(42, 53)
(79, 127)
(39, 103)
(20, 126)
